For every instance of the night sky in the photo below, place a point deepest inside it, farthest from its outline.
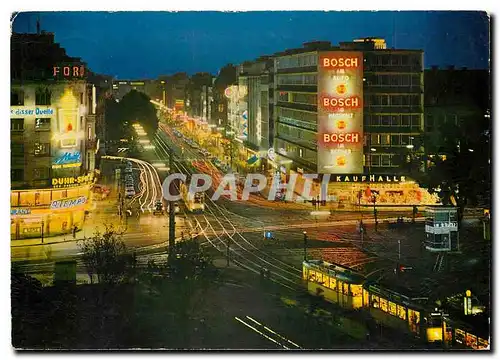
(137, 45)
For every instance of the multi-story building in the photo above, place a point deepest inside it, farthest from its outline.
(392, 104)
(53, 142)
(175, 87)
(255, 108)
(226, 78)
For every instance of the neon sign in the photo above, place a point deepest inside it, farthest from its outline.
(20, 211)
(70, 181)
(69, 71)
(68, 160)
(67, 203)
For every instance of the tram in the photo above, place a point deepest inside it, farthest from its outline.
(388, 305)
(194, 202)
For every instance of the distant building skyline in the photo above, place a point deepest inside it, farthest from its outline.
(145, 45)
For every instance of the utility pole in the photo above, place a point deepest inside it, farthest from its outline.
(43, 225)
(171, 212)
(305, 245)
(374, 198)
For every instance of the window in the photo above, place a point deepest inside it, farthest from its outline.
(283, 96)
(385, 120)
(333, 283)
(17, 149)
(221, 107)
(405, 139)
(81, 98)
(395, 140)
(375, 139)
(42, 124)
(375, 120)
(16, 174)
(375, 160)
(16, 97)
(81, 122)
(16, 124)
(401, 312)
(385, 160)
(42, 96)
(89, 133)
(42, 149)
(41, 173)
(394, 120)
(405, 120)
(304, 98)
(301, 152)
(383, 305)
(375, 301)
(385, 139)
(392, 308)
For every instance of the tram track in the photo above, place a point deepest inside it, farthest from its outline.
(244, 253)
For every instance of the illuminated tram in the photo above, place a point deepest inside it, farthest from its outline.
(194, 203)
(395, 309)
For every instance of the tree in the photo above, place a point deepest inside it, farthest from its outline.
(105, 256)
(460, 171)
(135, 107)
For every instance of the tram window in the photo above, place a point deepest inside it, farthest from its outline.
(333, 283)
(392, 308)
(481, 343)
(312, 275)
(366, 297)
(460, 336)
(346, 289)
(413, 319)
(319, 277)
(326, 280)
(375, 301)
(304, 273)
(356, 290)
(383, 305)
(340, 286)
(402, 312)
(471, 340)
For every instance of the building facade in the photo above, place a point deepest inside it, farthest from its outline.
(53, 138)
(392, 104)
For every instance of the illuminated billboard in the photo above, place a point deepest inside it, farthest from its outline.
(340, 112)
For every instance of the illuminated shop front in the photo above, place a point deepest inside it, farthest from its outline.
(48, 212)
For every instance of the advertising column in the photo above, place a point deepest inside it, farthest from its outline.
(340, 112)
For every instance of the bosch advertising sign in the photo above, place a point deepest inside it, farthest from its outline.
(340, 112)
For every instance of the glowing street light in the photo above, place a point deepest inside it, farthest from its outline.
(409, 146)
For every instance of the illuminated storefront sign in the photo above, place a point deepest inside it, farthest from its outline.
(72, 181)
(340, 113)
(20, 211)
(67, 160)
(31, 111)
(68, 203)
(75, 71)
(368, 178)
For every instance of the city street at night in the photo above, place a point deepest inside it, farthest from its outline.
(325, 189)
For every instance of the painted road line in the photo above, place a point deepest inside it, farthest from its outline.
(261, 333)
(273, 332)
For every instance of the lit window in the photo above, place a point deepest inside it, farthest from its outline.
(42, 149)
(401, 312)
(42, 124)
